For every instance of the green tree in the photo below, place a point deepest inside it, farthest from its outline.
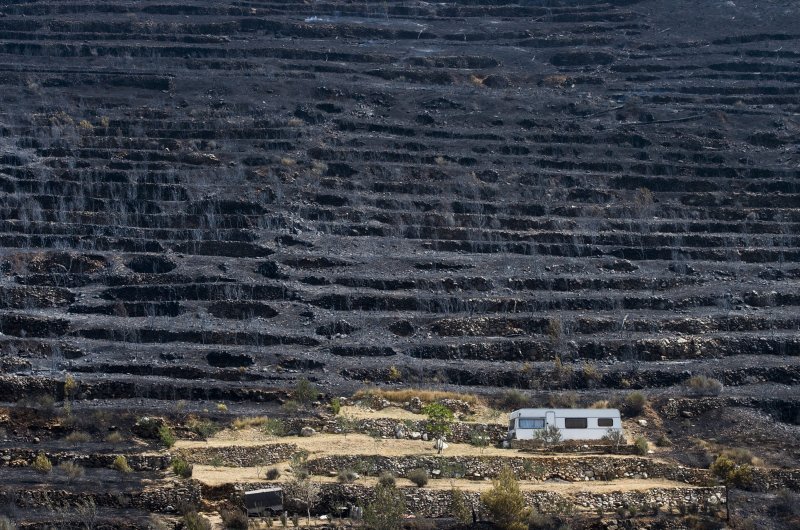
(386, 511)
(307, 491)
(166, 436)
(505, 502)
(305, 392)
(440, 419)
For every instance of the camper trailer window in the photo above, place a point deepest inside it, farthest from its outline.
(605, 422)
(511, 425)
(575, 423)
(531, 423)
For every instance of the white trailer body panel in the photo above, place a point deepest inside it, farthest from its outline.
(574, 424)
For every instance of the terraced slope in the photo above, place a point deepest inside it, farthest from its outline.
(209, 199)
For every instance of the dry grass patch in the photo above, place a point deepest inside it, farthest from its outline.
(426, 396)
(251, 422)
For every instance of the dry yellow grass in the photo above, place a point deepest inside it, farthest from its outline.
(249, 422)
(405, 394)
(481, 414)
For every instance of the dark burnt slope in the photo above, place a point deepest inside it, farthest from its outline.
(207, 199)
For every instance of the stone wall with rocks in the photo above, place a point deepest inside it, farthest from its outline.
(239, 456)
(533, 446)
(409, 429)
(775, 479)
(426, 502)
(164, 498)
(571, 469)
(16, 457)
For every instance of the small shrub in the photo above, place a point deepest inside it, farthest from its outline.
(234, 519)
(346, 424)
(787, 503)
(273, 473)
(115, 438)
(273, 427)
(291, 406)
(549, 436)
(336, 406)
(731, 473)
(283, 519)
(305, 392)
(78, 437)
(700, 385)
(555, 330)
(541, 521)
(418, 476)
(71, 470)
(663, 441)
(194, 521)
(513, 400)
(386, 479)
(70, 386)
(615, 438)
(121, 464)
(41, 464)
(346, 476)
(395, 374)
(740, 455)
(458, 506)
(505, 503)
(6, 523)
(641, 445)
(722, 467)
(182, 468)
(202, 427)
(591, 375)
(386, 510)
(222, 407)
(635, 403)
(741, 477)
(296, 521)
(479, 440)
(563, 400)
(166, 436)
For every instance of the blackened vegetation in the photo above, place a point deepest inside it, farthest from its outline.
(475, 193)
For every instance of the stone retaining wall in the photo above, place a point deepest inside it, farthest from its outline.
(525, 468)
(239, 456)
(436, 503)
(164, 498)
(15, 457)
(532, 446)
(775, 479)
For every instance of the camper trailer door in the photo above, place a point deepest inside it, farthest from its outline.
(551, 418)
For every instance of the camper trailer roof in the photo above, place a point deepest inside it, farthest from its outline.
(591, 413)
(264, 490)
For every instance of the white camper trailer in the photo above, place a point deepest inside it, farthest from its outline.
(574, 424)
